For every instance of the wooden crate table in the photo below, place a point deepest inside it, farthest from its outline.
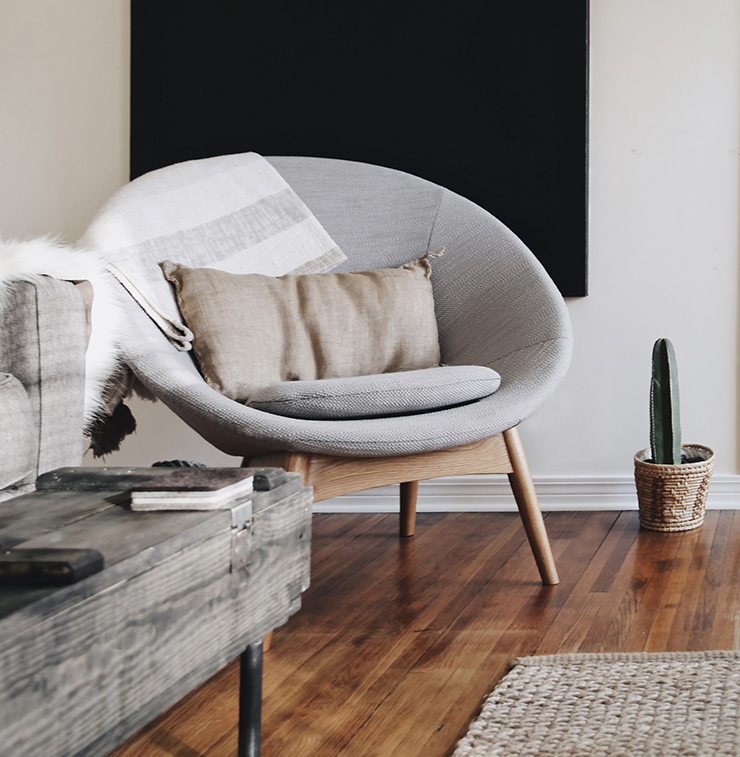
(84, 666)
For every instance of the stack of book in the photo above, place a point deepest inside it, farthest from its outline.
(194, 489)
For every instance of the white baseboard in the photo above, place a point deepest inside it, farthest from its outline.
(486, 493)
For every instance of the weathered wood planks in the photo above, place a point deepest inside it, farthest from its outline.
(85, 666)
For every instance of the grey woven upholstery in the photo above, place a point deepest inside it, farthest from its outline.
(19, 443)
(42, 369)
(495, 307)
(379, 395)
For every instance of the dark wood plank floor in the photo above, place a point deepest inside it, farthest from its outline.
(399, 641)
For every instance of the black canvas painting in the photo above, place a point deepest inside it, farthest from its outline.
(486, 98)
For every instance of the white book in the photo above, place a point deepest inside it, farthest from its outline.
(194, 489)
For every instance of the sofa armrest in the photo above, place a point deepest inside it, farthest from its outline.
(43, 333)
(18, 439)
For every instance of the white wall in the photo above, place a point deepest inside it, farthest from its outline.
(664, 131)
(64, 109)
(664, 151)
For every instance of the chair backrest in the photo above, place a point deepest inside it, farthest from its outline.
(379, 217)
(492, 295)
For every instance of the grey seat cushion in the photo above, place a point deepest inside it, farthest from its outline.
(377, 396)
(18, 436)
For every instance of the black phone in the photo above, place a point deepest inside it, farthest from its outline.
(48, 566)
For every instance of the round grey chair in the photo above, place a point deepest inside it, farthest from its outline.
(495, 306)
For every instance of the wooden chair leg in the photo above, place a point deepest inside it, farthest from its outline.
(409, 490)
(267, 641)
(529, 508)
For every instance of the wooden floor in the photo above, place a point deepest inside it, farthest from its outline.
(399, 641)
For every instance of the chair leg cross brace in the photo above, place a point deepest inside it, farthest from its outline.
(331, 476)
(250, 701)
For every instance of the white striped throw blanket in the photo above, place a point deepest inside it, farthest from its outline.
(234, 213)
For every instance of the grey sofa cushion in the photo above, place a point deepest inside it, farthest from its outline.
(18, 436)
(380, 395)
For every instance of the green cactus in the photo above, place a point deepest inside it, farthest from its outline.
(665, 421)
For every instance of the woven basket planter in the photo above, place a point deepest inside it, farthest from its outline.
(673, 497)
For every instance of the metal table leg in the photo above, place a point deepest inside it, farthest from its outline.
(250, 700)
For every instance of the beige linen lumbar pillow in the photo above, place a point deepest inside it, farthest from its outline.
(253, 330)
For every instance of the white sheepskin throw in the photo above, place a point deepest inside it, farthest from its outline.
(46, 256)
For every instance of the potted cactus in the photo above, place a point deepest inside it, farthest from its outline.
(672, 479)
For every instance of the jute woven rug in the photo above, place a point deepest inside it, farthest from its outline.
(682, 704)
